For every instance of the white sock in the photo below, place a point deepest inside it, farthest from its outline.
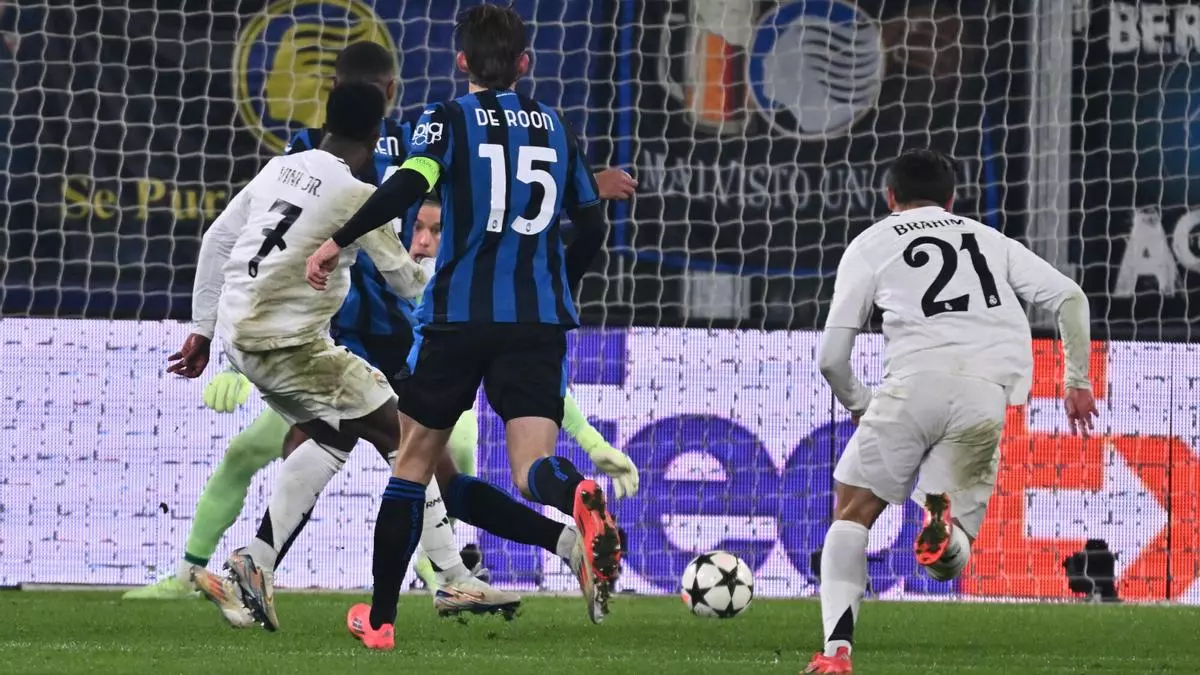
(437, 539)
(955, 559)
(304, 475)
(843, 582)
(184, 572)
(566, 543)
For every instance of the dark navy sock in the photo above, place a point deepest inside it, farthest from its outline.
(397, 531)
(491, 509)
(552, 481)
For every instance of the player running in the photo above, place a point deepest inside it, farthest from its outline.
(369, 323)
(958, 352)
(249, 286)
(499, 305)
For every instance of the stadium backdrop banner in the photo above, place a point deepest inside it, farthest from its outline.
(141, 142)
(734, 431)
(1137, 91)
(754, 161)
(135, 120)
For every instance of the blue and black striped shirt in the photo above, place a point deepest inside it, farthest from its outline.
(509, 166)
(371, 306)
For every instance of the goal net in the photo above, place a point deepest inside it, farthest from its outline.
(759, 132)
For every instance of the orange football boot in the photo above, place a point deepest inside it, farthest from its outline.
(934, 537)
(838, 663)
(601, 541)
(358, 620)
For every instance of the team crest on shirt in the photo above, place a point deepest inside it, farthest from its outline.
(283, 63)
(380, 378)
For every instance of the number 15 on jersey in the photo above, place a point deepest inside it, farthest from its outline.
(526, 173)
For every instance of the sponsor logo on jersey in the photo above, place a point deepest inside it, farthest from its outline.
(283, 62)
(426, 133)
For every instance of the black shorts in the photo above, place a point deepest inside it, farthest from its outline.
(522, 368)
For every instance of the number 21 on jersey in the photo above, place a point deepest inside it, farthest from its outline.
(526, 173)
(930, 303)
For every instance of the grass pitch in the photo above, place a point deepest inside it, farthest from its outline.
(95, 632)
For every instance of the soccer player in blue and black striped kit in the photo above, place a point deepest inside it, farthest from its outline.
(375, 323)
(498, 307)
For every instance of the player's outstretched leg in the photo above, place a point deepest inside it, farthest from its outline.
(487, 507)
(220, 503)
(457, 590)
(554, 481)
(304, 475)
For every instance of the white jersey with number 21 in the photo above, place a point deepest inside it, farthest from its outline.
(948, 287)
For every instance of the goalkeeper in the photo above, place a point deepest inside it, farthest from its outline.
(264, 440)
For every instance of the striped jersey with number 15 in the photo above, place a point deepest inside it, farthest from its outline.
(509, 167)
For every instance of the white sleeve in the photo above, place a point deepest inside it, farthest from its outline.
(1036, 281)
(402, 273)
(1075, 327)
(853, 292)
(833, 359)
(215, 248)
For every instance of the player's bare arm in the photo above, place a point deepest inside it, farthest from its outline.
(392, 200)
(405, 275)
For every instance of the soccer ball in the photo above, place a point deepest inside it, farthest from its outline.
(717, 585)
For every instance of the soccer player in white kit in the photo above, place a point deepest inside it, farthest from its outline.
(250, 287)
(958, 352)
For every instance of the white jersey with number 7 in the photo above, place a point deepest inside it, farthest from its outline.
(948, 287)
(251, 275)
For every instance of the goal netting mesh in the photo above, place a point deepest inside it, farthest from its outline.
(759, 132)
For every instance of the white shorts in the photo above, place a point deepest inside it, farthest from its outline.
(314, 381)
(930, 433)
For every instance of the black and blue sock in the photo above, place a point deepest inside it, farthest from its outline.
(491, 509)
(552, 481)
(397, 532)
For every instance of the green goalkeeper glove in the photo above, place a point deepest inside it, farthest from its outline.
(227, 391)
(611, 461)
(619, 468)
